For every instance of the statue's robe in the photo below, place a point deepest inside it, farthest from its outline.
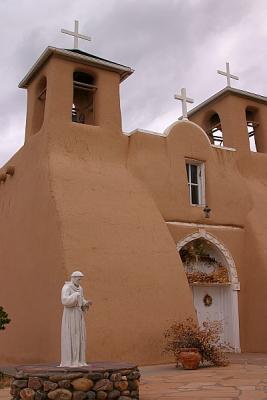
(73, 333)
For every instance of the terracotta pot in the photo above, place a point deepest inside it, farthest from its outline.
(189, 358)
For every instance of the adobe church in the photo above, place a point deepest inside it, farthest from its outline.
(162, 226)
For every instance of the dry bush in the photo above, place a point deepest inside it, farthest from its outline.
(187, 334)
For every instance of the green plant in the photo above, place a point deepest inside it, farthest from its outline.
(5, 381)
(4, 320)
(187, 334)
(195, 251)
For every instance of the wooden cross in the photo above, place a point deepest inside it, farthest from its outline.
(182, 97)
(76, 35)
(228, 75)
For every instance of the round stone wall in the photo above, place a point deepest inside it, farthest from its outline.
(97, 381)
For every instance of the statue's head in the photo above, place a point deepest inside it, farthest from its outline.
(76, 277)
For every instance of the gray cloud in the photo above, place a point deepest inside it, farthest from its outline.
(170, 44)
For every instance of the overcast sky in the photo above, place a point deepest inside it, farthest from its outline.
(170, 44)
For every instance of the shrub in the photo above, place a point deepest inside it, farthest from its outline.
(187, 334)
(4, 320)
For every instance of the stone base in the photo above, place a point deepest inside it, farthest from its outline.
(97, 381)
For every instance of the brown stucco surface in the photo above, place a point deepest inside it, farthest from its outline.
(74, 204)
(90, 198)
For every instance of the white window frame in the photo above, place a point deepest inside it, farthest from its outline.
(200, 181)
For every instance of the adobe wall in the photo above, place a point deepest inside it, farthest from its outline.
(77, 206)
(32, 267)
(236, 194)
(160, 163)
(90, 198)
(252, 166)
(254, 278)
(113, 231)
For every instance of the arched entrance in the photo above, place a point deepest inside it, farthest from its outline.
(212, 276)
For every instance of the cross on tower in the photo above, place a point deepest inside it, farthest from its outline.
(228, 75)
(76, 35)
(182, 97)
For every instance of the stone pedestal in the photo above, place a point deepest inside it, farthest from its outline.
(97, 381)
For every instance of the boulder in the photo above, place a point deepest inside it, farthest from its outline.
(27, 394)
(60, 394)
(82, 384)
(104, 385)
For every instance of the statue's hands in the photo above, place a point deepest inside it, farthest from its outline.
(86, 305)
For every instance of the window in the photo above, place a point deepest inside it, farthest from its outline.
(196, 182)
(83, 98)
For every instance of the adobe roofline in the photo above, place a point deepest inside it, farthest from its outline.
(224, 92)
(82, 57)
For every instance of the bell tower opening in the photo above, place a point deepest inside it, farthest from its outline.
(83, 107)
(214, 130)
(38, 115)
(252, 124)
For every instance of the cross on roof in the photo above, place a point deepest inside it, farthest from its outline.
(228, 75)
(76, 35)
(182, 97)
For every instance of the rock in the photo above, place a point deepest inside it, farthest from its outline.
(135, 394)
(114, 394)
(21, 375)
(14, 391)
(79, 395)
(121, 385)
(115, 377)
(134, 375)
(133, 385)
(103, 384)
(124, 378)
(27, 394)
(95, 376)
(19, 383)
(64, 384)
(35, 383)
(91, 395)
(49, 386)
(125, 371)
(40, 395)
(60, 394)
(124, 398)
(82, 384)
(106, 375)
(125, 393)
(101, 395)
(61, 377)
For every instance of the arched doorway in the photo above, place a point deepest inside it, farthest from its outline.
(212, 276)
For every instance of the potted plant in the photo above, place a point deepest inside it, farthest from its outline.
(191, 344)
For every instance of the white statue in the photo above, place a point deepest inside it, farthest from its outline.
(73, 332)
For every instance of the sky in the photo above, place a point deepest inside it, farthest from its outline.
(169, 43)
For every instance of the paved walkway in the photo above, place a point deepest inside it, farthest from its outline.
(244, 379)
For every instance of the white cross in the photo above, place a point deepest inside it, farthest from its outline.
(184, 100)
(76, 34)
(228, 75)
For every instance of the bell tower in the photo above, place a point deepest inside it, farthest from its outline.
(70, 87)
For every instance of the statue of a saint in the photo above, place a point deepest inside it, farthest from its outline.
(73, 332)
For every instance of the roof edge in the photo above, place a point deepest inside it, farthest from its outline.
(87, 59)
(225, 91)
